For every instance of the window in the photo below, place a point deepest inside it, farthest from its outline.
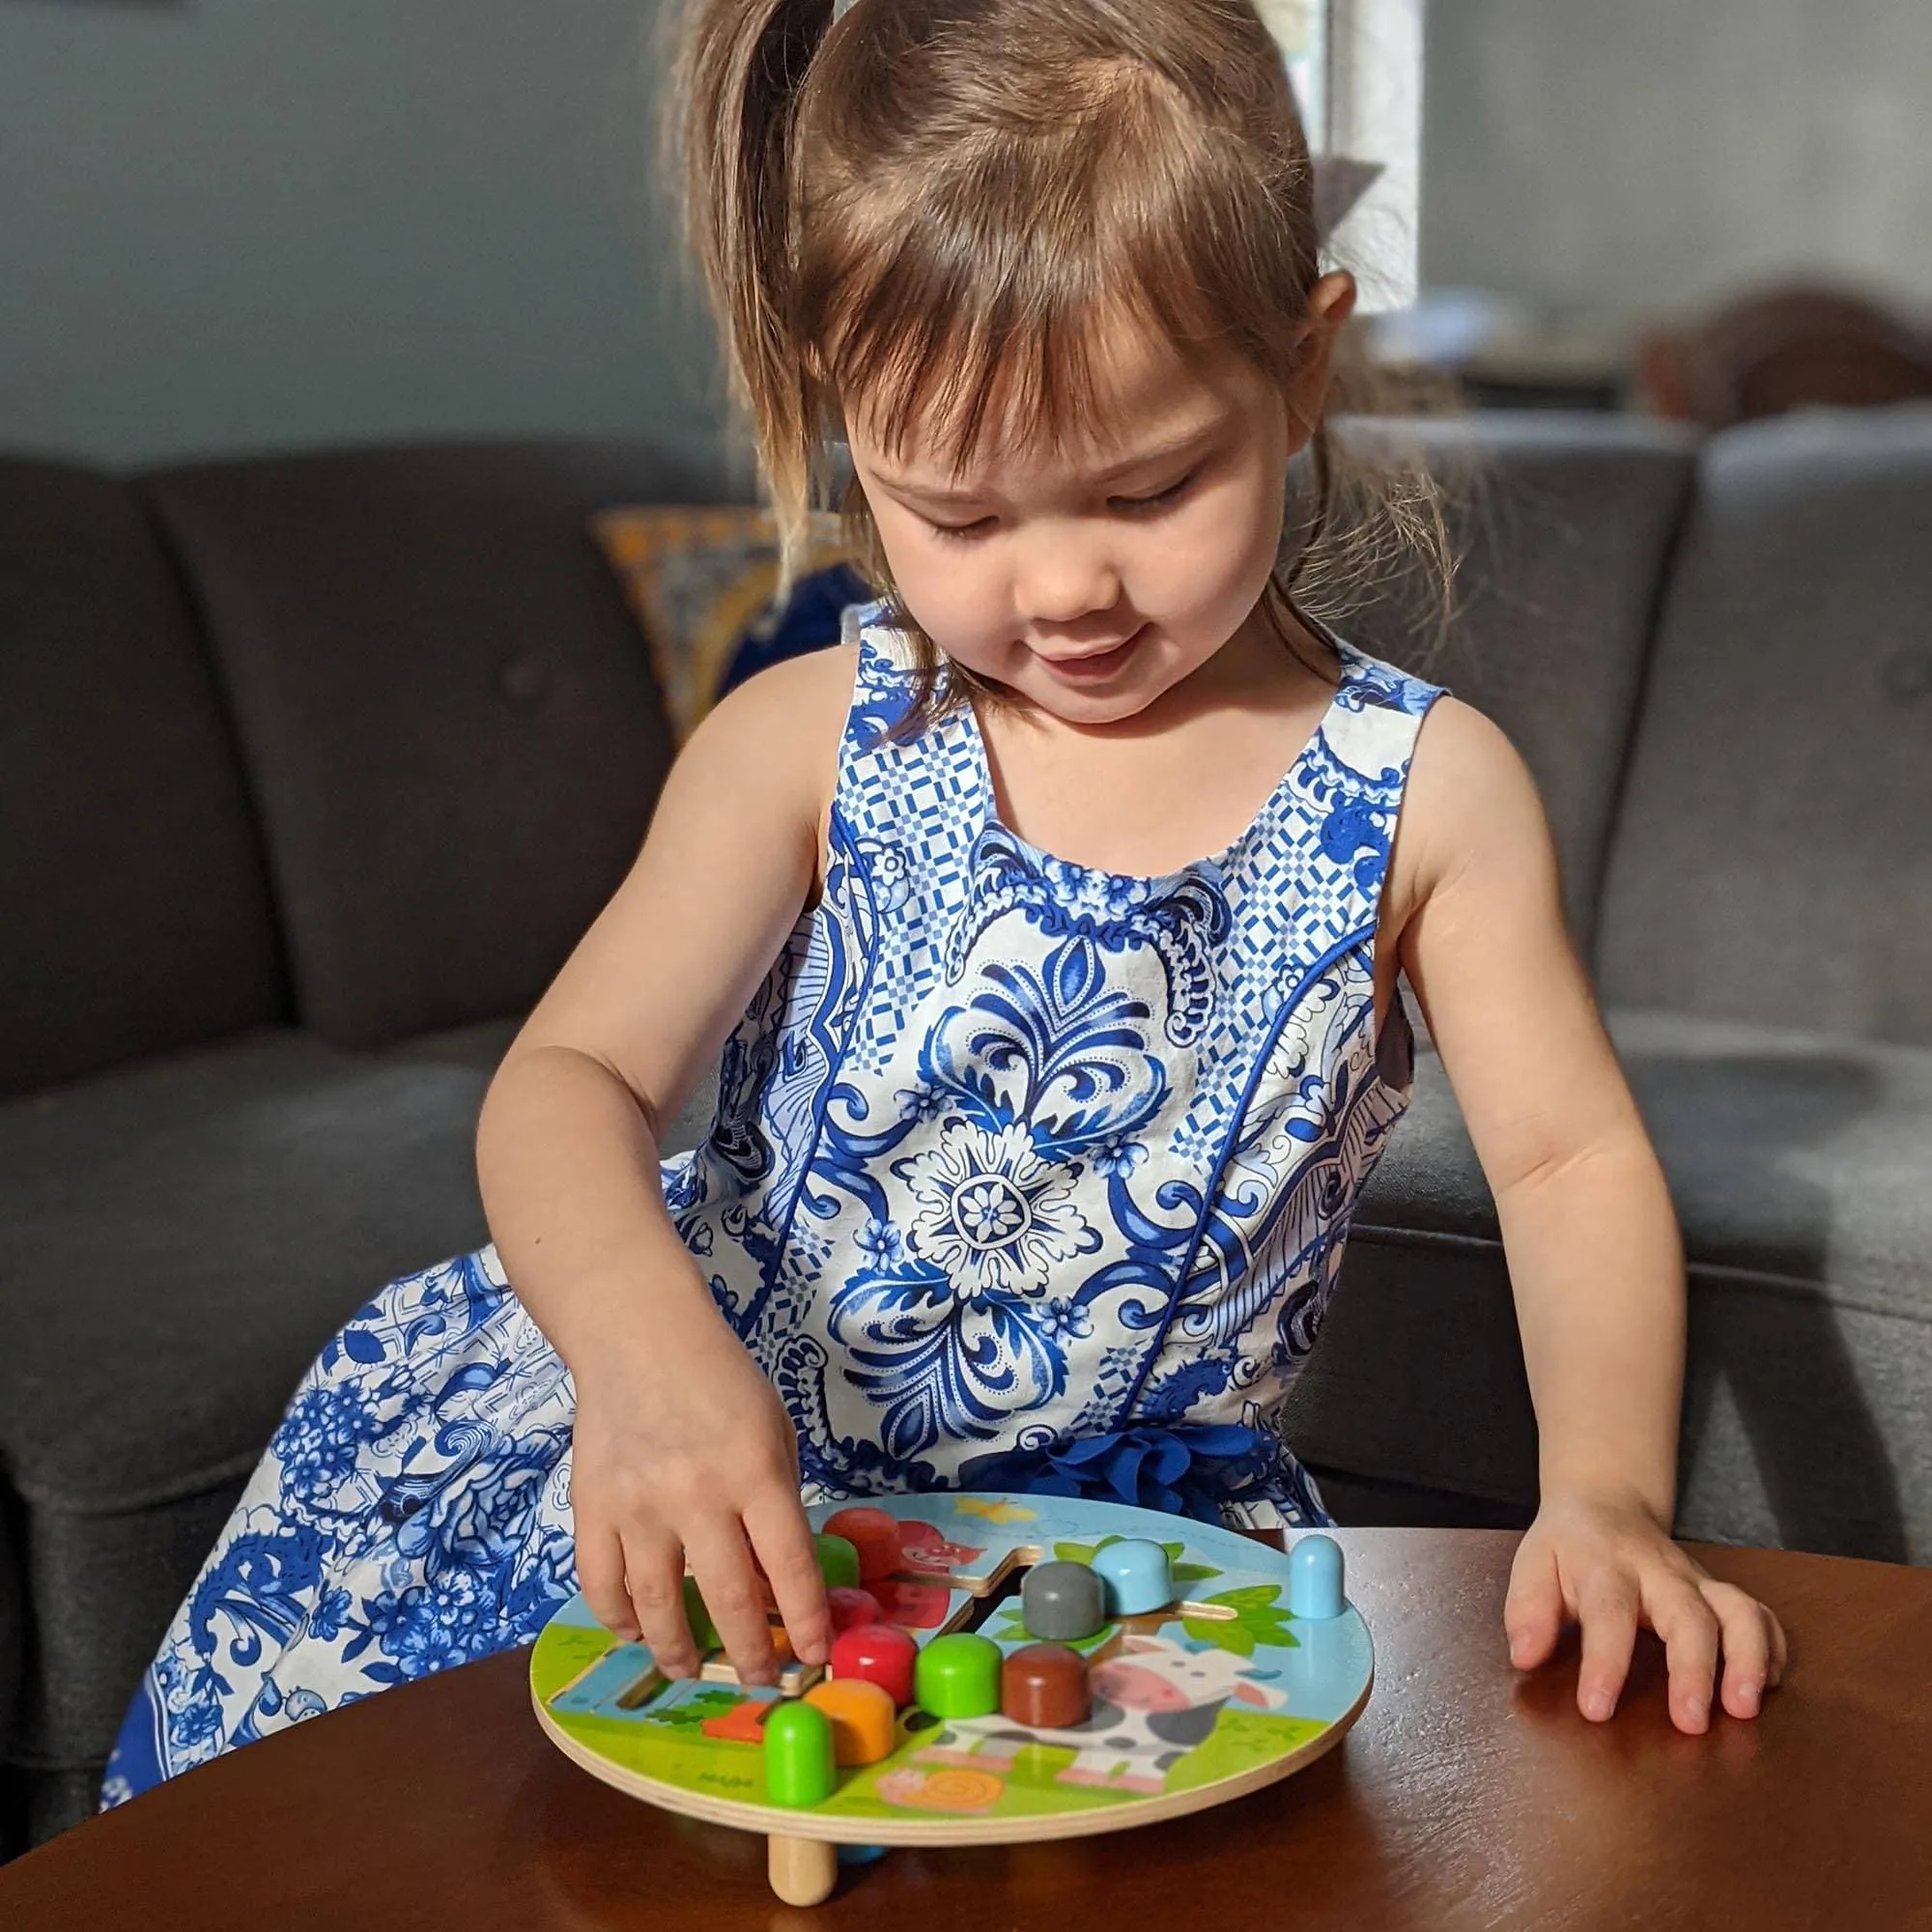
(1356, 66)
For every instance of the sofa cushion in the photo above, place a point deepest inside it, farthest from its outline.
(182, 1234)
(1774, 853)
(447, 716)
(1797, 1163)
(1564, 528)
(131, 882)
(182, 1238)
(12, 1661)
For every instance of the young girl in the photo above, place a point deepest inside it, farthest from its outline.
(1039, 1132)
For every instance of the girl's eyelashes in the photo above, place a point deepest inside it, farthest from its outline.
(959, 532)
(1161, 499)
(1130, 505)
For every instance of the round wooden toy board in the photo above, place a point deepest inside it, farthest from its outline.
(1280, 1689)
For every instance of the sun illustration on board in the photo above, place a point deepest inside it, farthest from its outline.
(996, 1509)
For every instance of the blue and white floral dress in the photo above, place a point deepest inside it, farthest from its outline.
(1024, 1175)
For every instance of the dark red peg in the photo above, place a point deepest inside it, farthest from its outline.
(874, 1535)
(851, 1610)
(1045, 1687)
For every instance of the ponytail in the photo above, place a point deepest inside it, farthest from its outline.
(733, 98)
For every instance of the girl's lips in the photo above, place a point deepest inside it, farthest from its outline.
(1096, 664)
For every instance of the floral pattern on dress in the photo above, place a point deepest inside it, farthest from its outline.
(412, 1512)
(1023, 1174)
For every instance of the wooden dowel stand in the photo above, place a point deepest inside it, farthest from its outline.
(803, 1870)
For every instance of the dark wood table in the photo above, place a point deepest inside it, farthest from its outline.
(1463, 1797)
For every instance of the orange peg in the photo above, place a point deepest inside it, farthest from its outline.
(861, 1717)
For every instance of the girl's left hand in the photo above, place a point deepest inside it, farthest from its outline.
(1609, 1565)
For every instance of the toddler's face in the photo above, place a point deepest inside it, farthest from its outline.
(1091, 579)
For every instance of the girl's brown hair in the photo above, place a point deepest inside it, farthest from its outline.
(928, 195)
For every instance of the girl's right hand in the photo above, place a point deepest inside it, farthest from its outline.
(682, 1448)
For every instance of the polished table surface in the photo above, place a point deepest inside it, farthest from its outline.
(1463, 1797)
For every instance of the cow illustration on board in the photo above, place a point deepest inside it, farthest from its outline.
(1155, 1700)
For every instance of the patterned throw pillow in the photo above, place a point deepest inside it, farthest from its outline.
(702, 584)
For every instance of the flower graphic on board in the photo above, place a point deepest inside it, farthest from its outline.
(991, 1214)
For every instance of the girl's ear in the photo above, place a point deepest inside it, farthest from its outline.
(1331, 302)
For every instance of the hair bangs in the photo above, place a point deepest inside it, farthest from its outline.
(967, 307)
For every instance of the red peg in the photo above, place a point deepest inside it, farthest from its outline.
(874, 1535)
(851, 1610)
(881, 1654)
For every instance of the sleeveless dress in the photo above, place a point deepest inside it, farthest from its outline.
(1023, 1176)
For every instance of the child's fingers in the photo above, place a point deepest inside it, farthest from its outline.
(599, 1576)
(1607, 1607)
(1750, 1653)
(1689, 1629)
(782, 1540)
(654, 1580)
(1533, 1610)
(722, 1563)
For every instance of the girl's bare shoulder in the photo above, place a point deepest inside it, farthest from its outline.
(785, 721)
(772, 745)
(1470, 806)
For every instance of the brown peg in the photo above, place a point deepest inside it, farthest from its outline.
(1045, 1687)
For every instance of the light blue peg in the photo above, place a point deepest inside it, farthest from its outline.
(1314, 1578)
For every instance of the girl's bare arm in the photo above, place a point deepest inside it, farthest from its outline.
(681, 1444)
(1595, 1260)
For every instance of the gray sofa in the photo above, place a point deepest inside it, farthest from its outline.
(312, 769)
(1718, 663)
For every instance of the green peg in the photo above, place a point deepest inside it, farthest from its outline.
(799, 1756)
(958, 1676)
(703, 1631)
(837, 1562)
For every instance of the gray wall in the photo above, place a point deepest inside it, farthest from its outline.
(1637, 157)
(231, 225)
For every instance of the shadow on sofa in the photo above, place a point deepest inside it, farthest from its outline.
(311, 771)
(1808, 1370)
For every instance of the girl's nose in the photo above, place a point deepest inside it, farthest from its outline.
(1062, 578)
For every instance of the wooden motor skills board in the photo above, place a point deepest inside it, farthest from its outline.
(1005, 1668)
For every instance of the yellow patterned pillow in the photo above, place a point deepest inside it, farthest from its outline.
(700, 583)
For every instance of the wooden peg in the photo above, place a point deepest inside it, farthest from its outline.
(803, 1870)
